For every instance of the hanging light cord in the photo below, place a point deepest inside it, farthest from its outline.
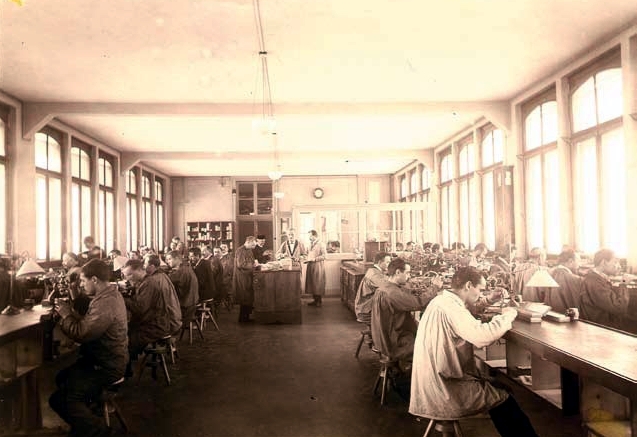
(266, 106)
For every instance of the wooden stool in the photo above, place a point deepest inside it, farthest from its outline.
(157, 351)
(387, 366)
(188, 328)
(366, 337)
(109, 406)
(448, 428)
(205, 311)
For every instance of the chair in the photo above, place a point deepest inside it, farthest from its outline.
(448, 428)
(386, 374)
(157, 351)
(107, 400)
(366, 337)
(206, 310)
(188, 328)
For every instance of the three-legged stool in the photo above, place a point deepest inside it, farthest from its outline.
(448, 428)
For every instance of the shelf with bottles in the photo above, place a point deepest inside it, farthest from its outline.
(210, 233)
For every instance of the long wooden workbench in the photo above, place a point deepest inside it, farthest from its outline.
(277, 296)
(563, 356)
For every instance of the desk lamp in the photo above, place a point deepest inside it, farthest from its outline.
(119, 262)
(28, 268)
(542, 278)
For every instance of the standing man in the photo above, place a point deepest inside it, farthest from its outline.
(92, 249)
(374, 277)
(292, 248)
(227, 264)
(315, 274)
(244, 264)
(446, 383)
(185, 282)
(217, 273)
(570, 290)
(259, 250)
(103, 351)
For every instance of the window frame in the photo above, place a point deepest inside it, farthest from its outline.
(78, 223)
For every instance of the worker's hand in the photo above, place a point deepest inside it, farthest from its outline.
(62, 307)
(495, 295)
(509, 313)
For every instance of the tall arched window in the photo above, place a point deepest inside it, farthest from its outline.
(542, 175)
(467, 192)
(80, 195)
(491, 147)
(106, 200)
(146, 219)
(48, 195)
(425, 176)
(159, 213)
(599, 159)
(447, 201)
(131, 210)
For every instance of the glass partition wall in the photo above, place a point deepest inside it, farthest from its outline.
(394, 224)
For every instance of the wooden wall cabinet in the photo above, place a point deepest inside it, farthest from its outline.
(209, 233)
(352, 274)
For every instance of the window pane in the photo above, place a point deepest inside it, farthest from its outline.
(534, 204)
(473, 214)
(583, 106)
(403, 187)
(414, 182)
(76, 231)
(110, 222)
(3, 207)
(148, 232)
(533, 129)
(587, 196)
(85, 166)
(471, 158)
(425, 178)
(464, 212)
(131, 182)
(613, 196)
(549, 122)
(40, 152)
(488, 208)
(609, 94)
(101, 217)
(487, 150)
(444, 209)
(131, 223)
(462, 161)
(159, 191)
(55, 155)
(55, 219)
(145, 186)
(160, 227)
(498, 147)
(86, 211)
(41, 219)
(108, 174)
(552, 204)
(75, 163)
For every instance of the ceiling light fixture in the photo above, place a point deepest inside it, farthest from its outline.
(267, 123)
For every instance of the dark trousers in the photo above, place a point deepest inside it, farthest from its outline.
(77, 386)
(510, 420)
(318, 298)
(244, 313)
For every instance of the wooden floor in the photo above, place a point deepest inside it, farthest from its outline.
(286, 380)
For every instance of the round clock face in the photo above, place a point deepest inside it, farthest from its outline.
(318, 193)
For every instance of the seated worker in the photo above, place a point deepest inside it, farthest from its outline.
(446, 383)
(103, 351)
(154, 307)
(570, 290)
(523, 272)
(70, 262)
(227, 264)
(205, 275)
(92, 249)
(393, 325)
(602, 303)
(185, 281)
(374, 277)
(475, 257)
(208, 253)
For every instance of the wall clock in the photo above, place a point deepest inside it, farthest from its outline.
(318, 193)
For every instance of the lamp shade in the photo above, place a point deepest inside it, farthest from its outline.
(542, 278)
(119, 262)
(28, 268)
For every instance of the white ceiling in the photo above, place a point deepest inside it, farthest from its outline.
(359, 87)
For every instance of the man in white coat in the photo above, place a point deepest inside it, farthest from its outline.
(446, 383)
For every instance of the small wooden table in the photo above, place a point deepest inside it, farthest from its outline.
(277, 296)
(21, 352)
